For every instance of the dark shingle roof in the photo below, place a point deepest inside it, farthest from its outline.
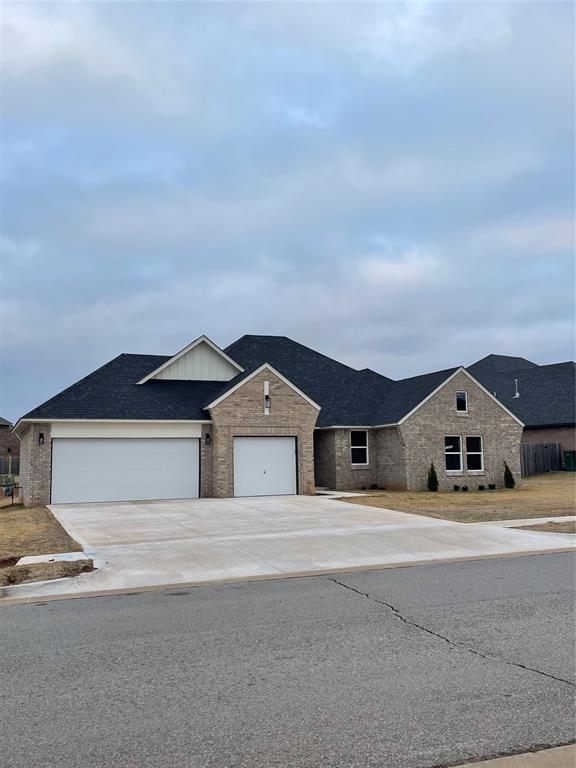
(547, 392)
(346, 396)
(5, 422)
(502, 364)
(112, 392)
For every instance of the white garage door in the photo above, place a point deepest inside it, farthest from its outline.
(124, 469)
(264, 466)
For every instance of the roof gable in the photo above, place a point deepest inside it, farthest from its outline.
(241, 380)
(202, 360)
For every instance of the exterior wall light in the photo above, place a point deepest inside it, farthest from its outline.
(208, 438)
(41, 438)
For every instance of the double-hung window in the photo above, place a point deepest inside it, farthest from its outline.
(453, 453)
(359, 446)
(474, 454)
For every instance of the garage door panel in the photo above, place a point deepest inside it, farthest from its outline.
(124, 469)
(264, 466)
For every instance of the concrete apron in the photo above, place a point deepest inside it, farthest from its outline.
(152, 545)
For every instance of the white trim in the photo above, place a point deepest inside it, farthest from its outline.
(264, 366)
(474, 453)
(449, 379)
(266, 398)
(459, 453)
(359, 463)
(347, 426)
(199, 340)
(385, 426)
(110, 421)
(465, 393)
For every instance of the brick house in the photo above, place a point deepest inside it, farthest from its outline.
(542, 396)
(9, 448)
(264, 416)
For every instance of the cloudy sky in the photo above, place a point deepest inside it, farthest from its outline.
(392, 184)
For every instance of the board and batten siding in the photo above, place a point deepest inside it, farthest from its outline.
(199, 364)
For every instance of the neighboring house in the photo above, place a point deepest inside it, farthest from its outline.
(264, 416)
(542, 396)
(9, 449)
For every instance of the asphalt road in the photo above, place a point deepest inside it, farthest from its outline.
(411, 667)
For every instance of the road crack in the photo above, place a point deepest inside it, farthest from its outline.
(490, 657)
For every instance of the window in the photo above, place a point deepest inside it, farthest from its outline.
(462, 402)
(453, 453)
(359, 446)
(474, 454)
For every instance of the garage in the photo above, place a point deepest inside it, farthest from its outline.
(264, 466)
(124, 469)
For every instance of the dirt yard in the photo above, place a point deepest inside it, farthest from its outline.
(34, 531)
(542, 496)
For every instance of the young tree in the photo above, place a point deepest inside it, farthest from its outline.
(432, 478)
(509, 481)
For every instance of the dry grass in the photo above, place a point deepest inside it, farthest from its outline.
(32, 531)
(542, 496)
(19, 574)
(566, 526)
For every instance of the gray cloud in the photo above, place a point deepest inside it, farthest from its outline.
(391, 183)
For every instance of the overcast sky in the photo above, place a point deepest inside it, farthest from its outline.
(392, 184)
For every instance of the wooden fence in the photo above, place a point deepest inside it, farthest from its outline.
(537, 458)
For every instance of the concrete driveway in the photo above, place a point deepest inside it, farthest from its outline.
(147, 544)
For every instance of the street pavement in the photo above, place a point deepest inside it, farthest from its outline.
(399, 668)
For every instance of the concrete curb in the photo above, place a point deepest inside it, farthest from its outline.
(555, 757)
(5, 601)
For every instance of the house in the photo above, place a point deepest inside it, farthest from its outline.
(542, 396)
(9, 449)
(264, 416)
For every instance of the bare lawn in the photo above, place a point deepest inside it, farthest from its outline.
(34, 531)
(550, 495)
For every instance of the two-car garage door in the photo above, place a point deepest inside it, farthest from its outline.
(114, 469)
(131, 469)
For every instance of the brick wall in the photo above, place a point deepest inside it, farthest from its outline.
(348, 476)
(35, 465)
(566, 436)
(391, 453)
(325, 458)
(206, 479)
(424, 433)
(241, 414)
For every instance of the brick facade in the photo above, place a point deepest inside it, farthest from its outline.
(401, 456)
(241, 414)
(35, 464)
(424, 433)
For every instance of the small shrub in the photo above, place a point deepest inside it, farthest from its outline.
(373, 487)
(509, 481)
(464, 487)
(456, 487)
(480, 487)
(432, 478)
(491, 487)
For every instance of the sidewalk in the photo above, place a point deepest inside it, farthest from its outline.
(559, 757)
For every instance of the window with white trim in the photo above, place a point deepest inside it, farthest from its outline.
(462, 402)
(474, 453)
(453, 453)
(359, 446)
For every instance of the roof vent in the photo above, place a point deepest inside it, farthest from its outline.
(516, 394)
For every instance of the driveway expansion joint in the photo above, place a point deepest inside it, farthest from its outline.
(489, 657)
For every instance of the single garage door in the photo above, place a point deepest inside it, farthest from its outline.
(130, 469)
(264, 466)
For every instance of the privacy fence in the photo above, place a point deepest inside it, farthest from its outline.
(537, 458)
